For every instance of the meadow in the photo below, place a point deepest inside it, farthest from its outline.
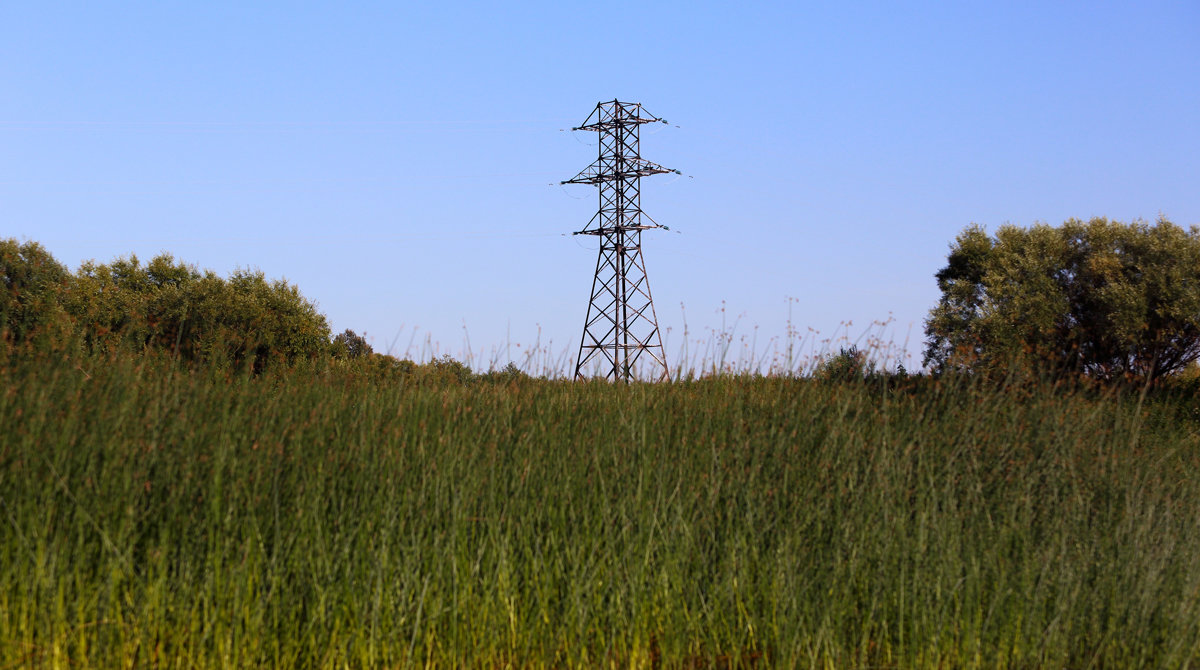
(159, 515)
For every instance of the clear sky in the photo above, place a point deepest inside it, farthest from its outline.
(400, 162)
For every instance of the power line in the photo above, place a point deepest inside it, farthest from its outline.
(261, 124)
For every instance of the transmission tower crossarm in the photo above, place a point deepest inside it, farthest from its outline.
(614, 114)
(609, 231)
(598, 173)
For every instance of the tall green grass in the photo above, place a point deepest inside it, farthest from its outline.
(154, 516)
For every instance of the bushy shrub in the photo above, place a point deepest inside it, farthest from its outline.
(509, 374)
(849, 364)
(350, 344)
(446, 370)
(31, 287)
(245, 321)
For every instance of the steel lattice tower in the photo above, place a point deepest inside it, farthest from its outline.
(621, 327)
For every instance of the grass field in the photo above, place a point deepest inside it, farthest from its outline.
(152, 516)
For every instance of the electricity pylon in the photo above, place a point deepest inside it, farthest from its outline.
(621, 329)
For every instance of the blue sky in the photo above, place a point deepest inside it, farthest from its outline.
(400, 163)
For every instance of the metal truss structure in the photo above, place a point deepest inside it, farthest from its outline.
(620, 333)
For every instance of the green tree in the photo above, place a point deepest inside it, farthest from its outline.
(446, 370)
(1102, 298)
(847, 365)
(350, 344)
(171, 306)
(31, 288)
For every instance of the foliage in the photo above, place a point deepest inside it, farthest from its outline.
(849, 364)
(1102, 298)
(344, 508)
(509, 374)
(155, 515)
(446, 370)
(32, 282)
(199, 317)
(243, 321)
(385, 367)
(350, 344)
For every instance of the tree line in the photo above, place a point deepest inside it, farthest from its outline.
(1099, 299)
(165, 305)
(243, 323)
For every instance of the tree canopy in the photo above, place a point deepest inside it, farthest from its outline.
(31, 283)
(162, 305)
(1103, 298)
